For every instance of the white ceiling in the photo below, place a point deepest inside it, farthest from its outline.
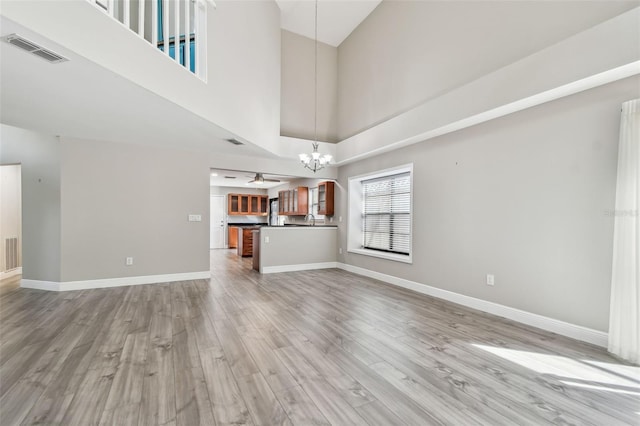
(336, 18)
(83, 100)
(239, 179)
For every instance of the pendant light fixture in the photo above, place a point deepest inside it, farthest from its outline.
(315, 161)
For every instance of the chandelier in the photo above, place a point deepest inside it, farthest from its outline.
(315, 161)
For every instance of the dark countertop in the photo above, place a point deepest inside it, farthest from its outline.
(247, 225)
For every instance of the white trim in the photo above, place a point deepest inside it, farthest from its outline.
(40, 285)
(298, 267)
(113, 282)
(574, 331)
(382, 254)
(355, 214)
(413, 118)
(11, 273)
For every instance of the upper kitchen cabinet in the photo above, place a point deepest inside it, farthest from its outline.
(294, 202)
(258, 205)
(325, 198)
(247, 204)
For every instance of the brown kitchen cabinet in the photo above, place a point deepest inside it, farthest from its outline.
(258, 205)
(325, 198)
(294, 202)
(233, 237)
(247, 204)
(245, 242)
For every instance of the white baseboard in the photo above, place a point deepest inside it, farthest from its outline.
(299, 267)
(113, 282)
(578, 332)
(11, 273)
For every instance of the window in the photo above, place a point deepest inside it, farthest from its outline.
(380, 214)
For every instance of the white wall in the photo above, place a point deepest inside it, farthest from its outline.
(126, 200)
(410, 52)
(242, 92)
(296, 246)
(10, 210)
(523, 197)
(224, 190)
(39, 157)
(298, 89)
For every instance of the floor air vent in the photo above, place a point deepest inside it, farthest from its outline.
(11, 254)
(31, 47)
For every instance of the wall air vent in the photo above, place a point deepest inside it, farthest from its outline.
(234, 141)
(33, 48)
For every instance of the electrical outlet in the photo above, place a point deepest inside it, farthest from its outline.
(340, 250)
(490, 279)
(266, 239)
(339, 218)
(128, 261)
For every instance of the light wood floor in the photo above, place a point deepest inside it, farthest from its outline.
(315, 347)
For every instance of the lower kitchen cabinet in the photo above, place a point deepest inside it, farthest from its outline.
(233, 237)
(245, 242)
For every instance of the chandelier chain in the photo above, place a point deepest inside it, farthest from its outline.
(315, 80)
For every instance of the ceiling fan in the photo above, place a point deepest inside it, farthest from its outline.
(260, 179)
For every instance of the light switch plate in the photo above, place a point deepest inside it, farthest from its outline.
(195, 218)
(490, 279)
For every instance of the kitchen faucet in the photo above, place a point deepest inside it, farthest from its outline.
(313, 219)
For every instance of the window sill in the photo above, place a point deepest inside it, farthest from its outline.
(389, 256)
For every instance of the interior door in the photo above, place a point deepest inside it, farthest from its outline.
(216, 238)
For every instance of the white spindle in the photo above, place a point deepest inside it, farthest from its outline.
(141, 18)
(197, 30)
(176, 21)
(154, 23)
(165, 25)
(126, 14)
(187, 35)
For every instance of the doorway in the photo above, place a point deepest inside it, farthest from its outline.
(217, 224)
(10, 225)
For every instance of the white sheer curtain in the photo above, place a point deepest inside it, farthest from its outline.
(624, 320)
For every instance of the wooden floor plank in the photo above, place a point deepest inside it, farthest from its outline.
(300, 408)
(158, 404)
(193, 406)
(309, 347)
(262, 403)
(123, 402)
(228, 406)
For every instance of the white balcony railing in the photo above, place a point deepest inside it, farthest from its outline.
(176, 27)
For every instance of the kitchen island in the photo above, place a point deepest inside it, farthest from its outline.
(296, 248)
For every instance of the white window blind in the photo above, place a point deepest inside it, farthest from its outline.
(387, 213)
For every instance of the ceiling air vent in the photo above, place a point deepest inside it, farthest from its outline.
(33, 48)
(234, 141)
(229, 177)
